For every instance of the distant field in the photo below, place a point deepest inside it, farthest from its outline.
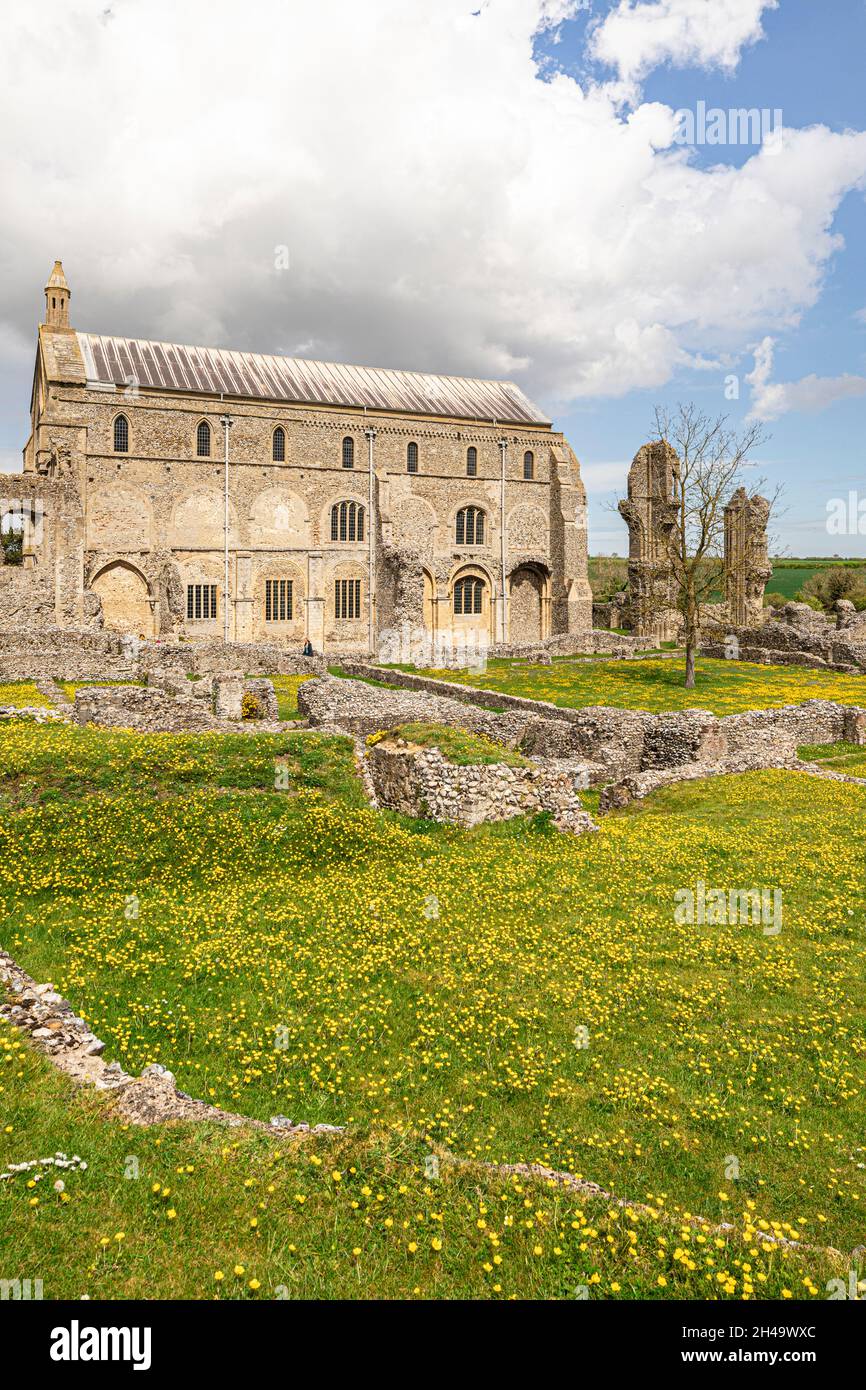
(788, 578)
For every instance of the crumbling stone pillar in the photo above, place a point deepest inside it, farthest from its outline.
(747, 565)
(228, 691)
(650, 513)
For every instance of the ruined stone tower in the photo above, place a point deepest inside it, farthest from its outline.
(747, 566)
(650, 512)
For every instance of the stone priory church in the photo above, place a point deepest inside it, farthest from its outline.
(187, 492)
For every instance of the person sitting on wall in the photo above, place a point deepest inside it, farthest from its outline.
(308, 648)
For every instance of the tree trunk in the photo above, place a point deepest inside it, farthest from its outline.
(690, 662)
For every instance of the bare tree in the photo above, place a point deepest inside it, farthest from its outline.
(713, 459)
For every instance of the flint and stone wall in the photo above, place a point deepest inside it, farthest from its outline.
(421, 782)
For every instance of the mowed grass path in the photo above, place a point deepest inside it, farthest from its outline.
(295, 952)
(725, 687)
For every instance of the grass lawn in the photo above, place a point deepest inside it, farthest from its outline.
(286, 689)
(21, 694)
(283, 957)
(199, 1212)
(725, 687)
(841, 757)
(459, 746)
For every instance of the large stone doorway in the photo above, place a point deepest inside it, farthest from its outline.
(125, 596)
(527, 594)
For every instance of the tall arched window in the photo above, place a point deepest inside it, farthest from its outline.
(348, 452)
(278, 451)
(412, 458)
(347, 521)
(121, 435)
(468, 595)
(202, 440)
(471, 462)
(470, 526)
(529, 464)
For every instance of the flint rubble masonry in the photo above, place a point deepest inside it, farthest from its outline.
(421, 782)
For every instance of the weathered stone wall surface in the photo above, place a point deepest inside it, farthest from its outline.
(607, 743)
(26, 598)
(802, 637)
(421, 782)
(209, 658)
(65, 654)
(173, 704)
(72, 654)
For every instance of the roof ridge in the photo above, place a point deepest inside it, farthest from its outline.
(311, 361)
(304, 380)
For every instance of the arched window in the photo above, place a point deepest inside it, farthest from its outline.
(470, 526)
(468, 595)
(471, 462)
(529, 464)
(278, 451)
(348, 452)
(121, 435)
(202, 440)
(412, 458)
(347, 521)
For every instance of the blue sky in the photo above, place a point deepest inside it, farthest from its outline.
(495, 193)
(810, 65)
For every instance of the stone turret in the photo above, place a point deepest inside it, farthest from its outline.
(57, 296)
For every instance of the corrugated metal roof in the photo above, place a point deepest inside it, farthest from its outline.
(209, 371)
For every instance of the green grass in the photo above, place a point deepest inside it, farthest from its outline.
(286, 689)
(725, 687)
(459, 746)
(69, 764)
(304, 955)
(841, 757)
(789, 576)
(21, 694)
(164, 1212)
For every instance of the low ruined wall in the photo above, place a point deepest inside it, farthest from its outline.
(178, 705)
(421, 782)
(72, 654)
(610, 743)
(803, 637)
(65, 654)
(592, 642)
(754, 741)
(151, 711)
(208, 658)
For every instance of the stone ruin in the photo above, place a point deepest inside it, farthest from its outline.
(170, 703)
(747, 563)
(650, 512)
(422, 782)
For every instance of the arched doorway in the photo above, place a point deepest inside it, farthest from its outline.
(125, 596)
(527, 594)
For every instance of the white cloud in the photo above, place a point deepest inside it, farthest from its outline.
(443, 207)
(770, 399)
(639, 35)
